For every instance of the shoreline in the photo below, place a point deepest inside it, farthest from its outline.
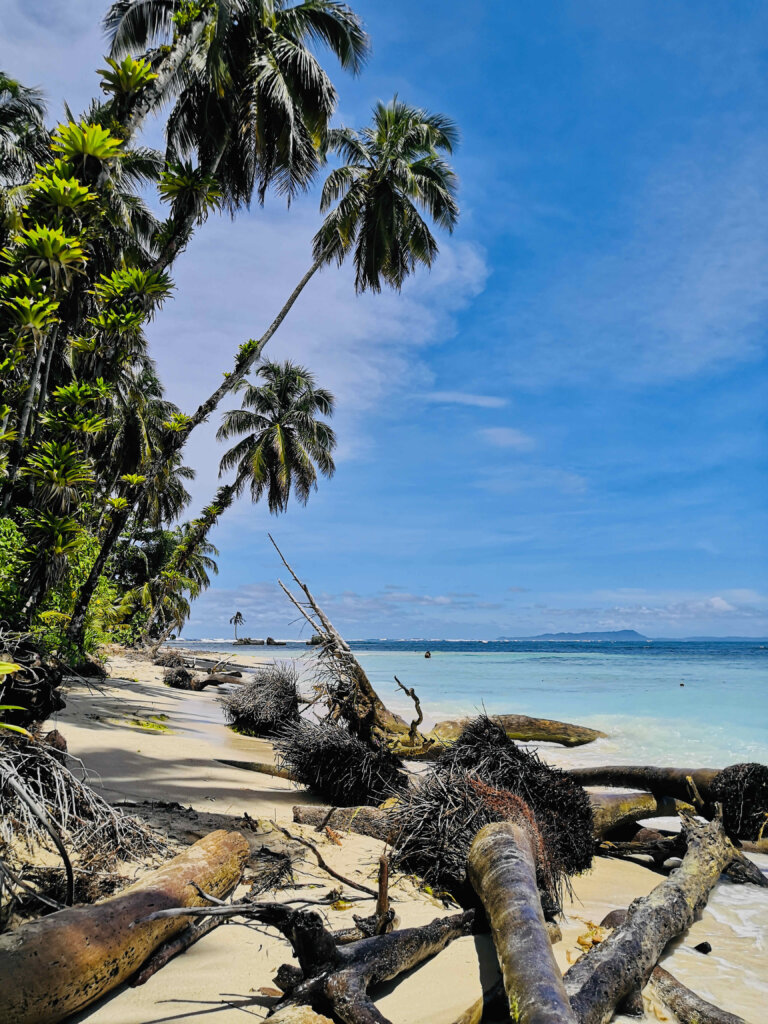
(222, 974)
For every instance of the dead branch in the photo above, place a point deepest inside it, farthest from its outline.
(502, 870)
(521, 727)
(322, 862)
(413, 731)
(259, 766)
(366, 821)
(613, 810)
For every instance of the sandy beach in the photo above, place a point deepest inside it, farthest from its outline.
(219, 979)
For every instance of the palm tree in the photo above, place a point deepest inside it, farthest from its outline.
(237, 620)
(395, 174)
(251, 99)
(285, 444)
(23, 138)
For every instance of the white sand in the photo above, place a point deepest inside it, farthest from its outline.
(218, 980)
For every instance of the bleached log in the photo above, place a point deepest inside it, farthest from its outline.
(502, 869)
(622, 964)
(55, 966)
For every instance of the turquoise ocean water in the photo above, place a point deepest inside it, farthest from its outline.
(631, 691)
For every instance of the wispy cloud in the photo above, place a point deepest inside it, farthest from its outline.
(464, 398)
(508, 437)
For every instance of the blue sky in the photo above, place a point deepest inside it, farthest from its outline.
(561, 427)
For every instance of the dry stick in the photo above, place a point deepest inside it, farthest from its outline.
(171, 949)
(321, 861)
(45, 821)
(414, 727)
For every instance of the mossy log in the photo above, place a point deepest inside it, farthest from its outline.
(55, 966)
(659, 781)
(687, 1007)
(613, 810)
(520, 727)
(621, 965)
(502, 869)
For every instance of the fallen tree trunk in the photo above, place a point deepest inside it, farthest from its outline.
(259, 766)
(52, 967)
(502, 869)
(622, 964)
(367, 821)
(520, 727)
(659, 781)
(613, 810)
(685, 1004)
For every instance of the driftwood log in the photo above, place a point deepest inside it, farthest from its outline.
(614, 810)
(521, 727)
(621, 965)
(260, 766)
(685, 1004)
(502, 870)
(674, 782)
(89, 950)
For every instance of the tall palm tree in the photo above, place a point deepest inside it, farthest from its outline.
(237, 620)
(395, 177)
(285, 442)
(250, 98)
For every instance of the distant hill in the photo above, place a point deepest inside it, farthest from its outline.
(616, 634)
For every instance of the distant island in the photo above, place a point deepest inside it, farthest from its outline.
(616, 634)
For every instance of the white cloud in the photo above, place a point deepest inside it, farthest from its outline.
(508, 437)
(464, 398)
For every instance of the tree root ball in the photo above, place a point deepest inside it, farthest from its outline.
(266, 702)
(169, 659)
(742, 789)
(338, 766)
(439, 818)
(179, 679)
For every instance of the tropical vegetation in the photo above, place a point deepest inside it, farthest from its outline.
(94, 543)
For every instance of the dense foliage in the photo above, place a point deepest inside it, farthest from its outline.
(93, 486)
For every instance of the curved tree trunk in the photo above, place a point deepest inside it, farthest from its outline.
(685, 1004)
(175, 441)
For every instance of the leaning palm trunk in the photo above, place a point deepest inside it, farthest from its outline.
(175, 442)
(24, 421)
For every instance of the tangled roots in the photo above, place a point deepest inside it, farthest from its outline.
(560, 805)
(266, 702)
(337, 766)
(742, 789)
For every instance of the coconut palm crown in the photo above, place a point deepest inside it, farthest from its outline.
(285, 443)
(394, 175)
